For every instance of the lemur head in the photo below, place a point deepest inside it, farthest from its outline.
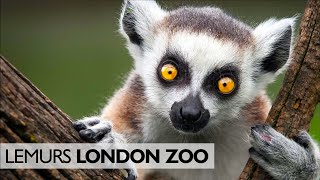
(200, 66)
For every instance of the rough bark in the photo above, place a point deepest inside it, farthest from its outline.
(27, 115)
(300, 93)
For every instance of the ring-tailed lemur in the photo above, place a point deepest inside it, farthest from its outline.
(200, 76)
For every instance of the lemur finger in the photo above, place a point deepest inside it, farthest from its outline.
(87, 135)
(85, 123)
(258, 158)
(303, 139)
(79, 125)
(260, 138)
(306, 141)
(97, 132)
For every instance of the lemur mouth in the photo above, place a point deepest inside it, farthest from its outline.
(189, 115)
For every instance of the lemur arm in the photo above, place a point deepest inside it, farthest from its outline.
(121, 114)
(119, 121)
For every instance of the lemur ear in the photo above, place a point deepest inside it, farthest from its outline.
(137, 18)
(273, 44)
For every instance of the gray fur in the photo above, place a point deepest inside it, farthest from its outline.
(210, 20)
(284, 158)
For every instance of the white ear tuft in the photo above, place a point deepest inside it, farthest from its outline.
(137, 18)
(273, 43)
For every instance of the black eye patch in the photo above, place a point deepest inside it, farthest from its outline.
(210, 84)
(183, 75)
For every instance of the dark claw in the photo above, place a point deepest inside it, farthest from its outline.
(78, 126)
(251, 150)
(302, 139)
(131, 175)
(260, 128)
(91, 136)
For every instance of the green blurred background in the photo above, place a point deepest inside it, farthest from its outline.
(72, 51)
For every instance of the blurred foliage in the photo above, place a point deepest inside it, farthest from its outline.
(72, 51)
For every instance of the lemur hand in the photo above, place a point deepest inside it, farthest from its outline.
(284, 158)
(92, 129)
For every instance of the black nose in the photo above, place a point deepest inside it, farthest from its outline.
(190, 113)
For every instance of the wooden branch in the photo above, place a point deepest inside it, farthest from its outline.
(27, 115)
(300, 93)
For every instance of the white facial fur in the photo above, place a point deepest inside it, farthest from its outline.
(203, 53)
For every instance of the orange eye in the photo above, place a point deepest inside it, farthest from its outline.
(226, 85)
(169, 72)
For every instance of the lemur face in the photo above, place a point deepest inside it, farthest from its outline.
(200, 66)
(198, 79)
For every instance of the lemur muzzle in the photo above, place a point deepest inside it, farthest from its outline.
(189, 115)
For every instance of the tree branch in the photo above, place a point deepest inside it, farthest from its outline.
(28, 116)
(294, 106)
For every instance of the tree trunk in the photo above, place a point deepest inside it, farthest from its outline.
(300, 93)
(28, 116)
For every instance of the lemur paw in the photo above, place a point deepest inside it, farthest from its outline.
(284, 158)
(92, 129)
